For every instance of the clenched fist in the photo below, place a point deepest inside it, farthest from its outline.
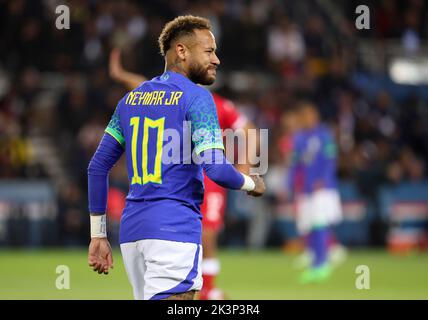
(260, 188)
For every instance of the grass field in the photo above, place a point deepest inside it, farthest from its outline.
(245, 275)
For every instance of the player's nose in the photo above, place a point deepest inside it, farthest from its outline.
(215, 60)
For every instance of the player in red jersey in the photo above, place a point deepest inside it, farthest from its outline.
(214, 205)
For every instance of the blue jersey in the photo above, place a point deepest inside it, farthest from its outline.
(314, 156)
(160, 124)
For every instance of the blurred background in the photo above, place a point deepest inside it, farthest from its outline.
(371, 88)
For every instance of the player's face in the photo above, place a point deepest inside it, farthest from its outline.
(203, 60)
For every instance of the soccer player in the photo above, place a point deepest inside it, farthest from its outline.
(214, 204)
(318, 205)
(160, 233)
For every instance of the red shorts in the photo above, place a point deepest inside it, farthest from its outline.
(214, 205)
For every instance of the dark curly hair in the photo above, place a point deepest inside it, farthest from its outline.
(180, 26)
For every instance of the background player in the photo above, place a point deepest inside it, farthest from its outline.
(313, 171)
(160, 227)
(214, 204)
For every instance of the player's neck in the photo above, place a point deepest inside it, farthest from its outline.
(177, 67)
(177, 70)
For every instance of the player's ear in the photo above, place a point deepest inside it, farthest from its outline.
(181, 51)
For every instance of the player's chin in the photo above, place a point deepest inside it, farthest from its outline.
(209, 79)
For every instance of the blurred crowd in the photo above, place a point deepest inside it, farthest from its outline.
(56, 83)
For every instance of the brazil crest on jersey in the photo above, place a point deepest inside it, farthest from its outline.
(160, 124)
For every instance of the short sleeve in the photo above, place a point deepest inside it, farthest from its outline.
(114, 128)
(206, 132)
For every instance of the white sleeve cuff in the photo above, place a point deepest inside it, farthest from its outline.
(98, 226)
(249, 184)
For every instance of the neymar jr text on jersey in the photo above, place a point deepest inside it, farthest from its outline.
(153, 98)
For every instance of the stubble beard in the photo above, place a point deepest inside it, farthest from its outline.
(198, 74)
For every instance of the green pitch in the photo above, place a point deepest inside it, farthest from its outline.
(245, 275)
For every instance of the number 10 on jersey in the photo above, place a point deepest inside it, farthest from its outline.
(156, 176)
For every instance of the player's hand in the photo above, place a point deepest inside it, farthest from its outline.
(100, 256)
(115, 66)
(260, 188)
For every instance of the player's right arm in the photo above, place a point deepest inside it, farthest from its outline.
(208, 146)
(109, 151)
(119, 74)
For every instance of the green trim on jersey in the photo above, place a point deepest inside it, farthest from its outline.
(200, 148)
(116, 135)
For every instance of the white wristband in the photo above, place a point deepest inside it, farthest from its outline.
(98, 226)
(249, 184)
